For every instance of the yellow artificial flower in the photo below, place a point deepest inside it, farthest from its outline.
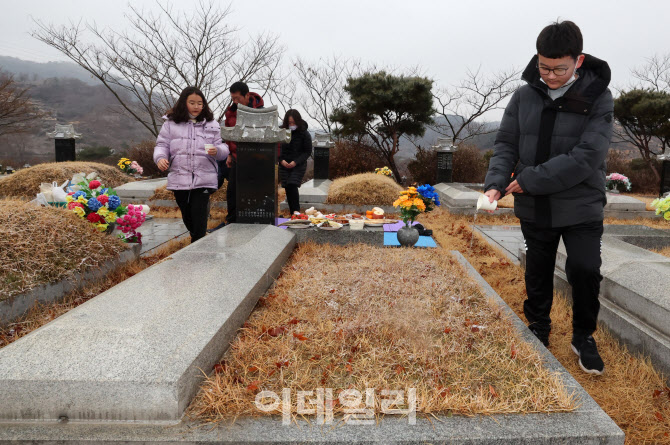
(69, 198)
(79, 211)
(103, 211)
(110, 217)
(102, 227)
(82, 200)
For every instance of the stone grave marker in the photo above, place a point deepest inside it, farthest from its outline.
(665, 173)
(445, 156)
(257, 134)
(322, 145)
(64, 136)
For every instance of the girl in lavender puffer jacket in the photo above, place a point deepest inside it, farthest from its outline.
(180, 147)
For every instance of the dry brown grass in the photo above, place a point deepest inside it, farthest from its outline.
(665, 251)
(364, 189)
(164, 193)
(26, 182)
(41, 314)
(634, 394)
(361, 317)
(654, 223)
(647, 199)
(42, 245)
(506, 202)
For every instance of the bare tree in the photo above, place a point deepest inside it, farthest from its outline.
(461, 108)
(159, 55)
(322, 85)
(17, 111)
(655, 74)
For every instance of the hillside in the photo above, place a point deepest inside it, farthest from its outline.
(92, 109)
(26, 70)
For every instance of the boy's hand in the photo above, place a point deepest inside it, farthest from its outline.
(514, 187)
(493, 195)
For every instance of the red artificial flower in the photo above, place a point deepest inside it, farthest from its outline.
(71, 193)
(94, 184)
(103, 199)
(93, 217)
(72, 205)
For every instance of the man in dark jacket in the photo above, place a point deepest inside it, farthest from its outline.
(554, 137)
(240, 95)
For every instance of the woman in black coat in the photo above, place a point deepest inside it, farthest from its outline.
(293, 158)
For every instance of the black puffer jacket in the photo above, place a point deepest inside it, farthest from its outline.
(298, 150)
(556, 149)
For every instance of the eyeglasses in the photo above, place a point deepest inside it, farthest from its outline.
(556, 71)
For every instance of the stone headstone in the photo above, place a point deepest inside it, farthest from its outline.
(257, 134)
(665, 173)
(64, 136)
(9, 170)
(322, 145)
(445, 157)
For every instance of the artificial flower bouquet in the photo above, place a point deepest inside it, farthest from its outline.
(99, 205)
(130, 167)
(130, 222)
(617, 181)
(384, 171)
(662, 206)
(416, 200)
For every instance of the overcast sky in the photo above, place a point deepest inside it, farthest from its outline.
(443, 37)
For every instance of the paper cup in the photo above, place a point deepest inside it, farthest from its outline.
(208, 146)
(484, 204)
(356, 224)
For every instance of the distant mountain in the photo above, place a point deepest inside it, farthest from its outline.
(91, 108)
(31, 71)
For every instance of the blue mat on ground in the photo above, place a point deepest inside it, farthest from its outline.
(391, 239)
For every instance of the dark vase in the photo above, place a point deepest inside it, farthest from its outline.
(408, 236)
(110, 228)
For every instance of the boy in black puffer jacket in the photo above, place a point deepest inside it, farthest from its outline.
(554, 137)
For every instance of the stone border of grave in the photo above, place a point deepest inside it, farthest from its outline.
(138, 352)
(166, 203)
(462, 199)
(634, 303)
(587, 424)
(17, 305)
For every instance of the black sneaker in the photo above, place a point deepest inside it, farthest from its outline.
(541, 333)
(589, 359)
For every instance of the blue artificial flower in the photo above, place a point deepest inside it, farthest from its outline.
(114, 202)
(94, 204)
(78, 194)
(104, 191)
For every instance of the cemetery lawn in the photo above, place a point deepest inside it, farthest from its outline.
(360, 317)
(45, 245)
(634, 394)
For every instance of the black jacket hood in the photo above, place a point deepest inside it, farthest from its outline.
(594, 77)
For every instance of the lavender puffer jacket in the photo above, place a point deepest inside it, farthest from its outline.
(183, 145)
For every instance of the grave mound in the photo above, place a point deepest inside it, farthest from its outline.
(363, 189)
(45, 245)
(26, 183)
